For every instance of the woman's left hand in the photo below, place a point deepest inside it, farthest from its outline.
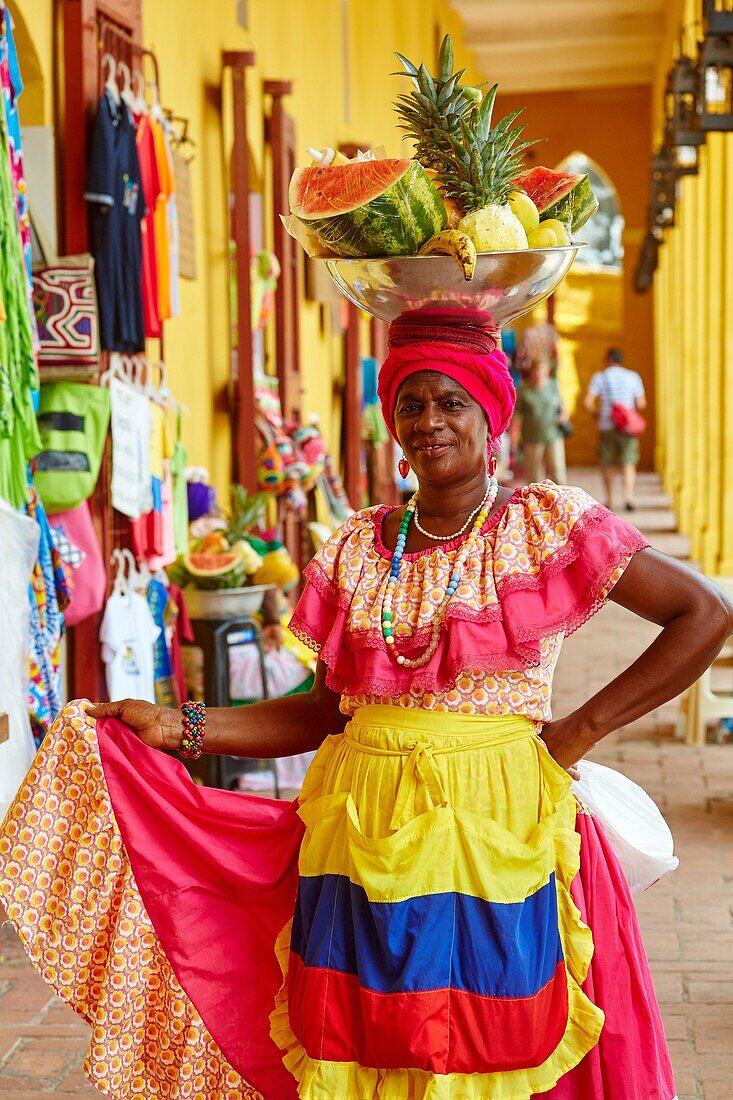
(566, 743)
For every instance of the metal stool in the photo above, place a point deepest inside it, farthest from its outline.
(215, 639)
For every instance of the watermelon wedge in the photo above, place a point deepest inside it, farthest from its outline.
(366, 208)
(566, 196)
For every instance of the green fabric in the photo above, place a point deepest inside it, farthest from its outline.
(19, 440)
(538, 409)
(73, 419)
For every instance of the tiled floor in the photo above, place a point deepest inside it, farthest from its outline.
(686, 918)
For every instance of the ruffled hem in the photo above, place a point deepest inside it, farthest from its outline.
(321, 1080)
(558, 588)
(68, 888)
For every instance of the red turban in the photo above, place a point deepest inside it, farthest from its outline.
(462, 344)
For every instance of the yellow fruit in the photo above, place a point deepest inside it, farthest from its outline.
(562, 236)
(525, 209)
(542, 238)
(494, 229)
(456, 244)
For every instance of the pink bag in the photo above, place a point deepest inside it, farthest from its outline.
(628, 421)
(77, 545)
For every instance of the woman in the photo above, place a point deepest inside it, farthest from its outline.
(540, 413)
(462, 930)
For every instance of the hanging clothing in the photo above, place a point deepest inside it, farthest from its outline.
(19, 438)
(128, 634)
(49, 595)
(161, 220)
(151, 195)
(19, 538)
(182, 632)
(116, 208)
(178, 463)
(173, 228)
(163, 612)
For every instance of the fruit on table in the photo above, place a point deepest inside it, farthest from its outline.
(542, 238)
(566, 196)
(525, 210)
(562, 237)
(368, 207)
(476, 163)
(215, 571)
(453, 242)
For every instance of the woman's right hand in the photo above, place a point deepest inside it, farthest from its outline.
(159, 727)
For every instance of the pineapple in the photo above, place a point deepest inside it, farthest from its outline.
(475, 164)
(244, 514)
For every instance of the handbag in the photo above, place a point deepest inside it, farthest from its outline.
(633, 823)
(625, 420)
(77, 543)
(65, 305)
(72, 421)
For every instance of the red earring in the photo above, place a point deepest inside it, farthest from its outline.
(491, 465)
(404, 467)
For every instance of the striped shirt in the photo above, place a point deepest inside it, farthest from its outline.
(615, 386)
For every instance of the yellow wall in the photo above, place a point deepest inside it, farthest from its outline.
(693, 300)
(33, 21)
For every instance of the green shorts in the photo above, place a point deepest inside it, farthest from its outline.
(617, 449)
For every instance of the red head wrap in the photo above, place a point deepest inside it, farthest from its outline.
(462, 344)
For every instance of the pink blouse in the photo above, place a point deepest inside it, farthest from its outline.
(545, 562)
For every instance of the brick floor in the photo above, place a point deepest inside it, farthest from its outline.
(687, 918)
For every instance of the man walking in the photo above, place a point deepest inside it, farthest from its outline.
(615, 385)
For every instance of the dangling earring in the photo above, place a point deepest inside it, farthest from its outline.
(491, 463)
(404, 467)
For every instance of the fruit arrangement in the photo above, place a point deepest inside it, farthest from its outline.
(466, 191)
(226, 558)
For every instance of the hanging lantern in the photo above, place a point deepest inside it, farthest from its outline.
(715, 84)
(648, 261)
(682, 132)
(718, 16)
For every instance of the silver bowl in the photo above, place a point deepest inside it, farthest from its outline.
(505, 284)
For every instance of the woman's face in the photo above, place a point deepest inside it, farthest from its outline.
(441, 429)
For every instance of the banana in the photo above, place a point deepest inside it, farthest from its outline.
(453, 242)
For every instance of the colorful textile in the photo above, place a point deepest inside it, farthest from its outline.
(65, 310)
(468, 353)
(158, 602)
(48, 593)
(151, 188)
(160, 220)
(183, 994)
(549, 559)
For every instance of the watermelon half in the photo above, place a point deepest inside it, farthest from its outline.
(368, 208)
(567, 196)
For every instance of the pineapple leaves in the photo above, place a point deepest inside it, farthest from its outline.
(445, 59)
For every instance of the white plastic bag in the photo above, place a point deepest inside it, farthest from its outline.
(634, 825)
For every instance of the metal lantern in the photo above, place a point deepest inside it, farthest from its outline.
(682, 131)
(718, 16)
(715, 84)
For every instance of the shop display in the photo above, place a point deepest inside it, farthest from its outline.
(127, 635)
(225, 558)
(465, 192)
(65, 304)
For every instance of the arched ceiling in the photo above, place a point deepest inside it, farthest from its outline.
(550, 45)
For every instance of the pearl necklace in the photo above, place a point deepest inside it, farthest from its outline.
(455, 578)
(456, 534)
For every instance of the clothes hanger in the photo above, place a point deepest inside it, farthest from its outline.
(127, 95)
(110, 84)
(117, 369)
(138, 83)
(119, 584)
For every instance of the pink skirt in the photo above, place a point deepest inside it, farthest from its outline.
(152, 907)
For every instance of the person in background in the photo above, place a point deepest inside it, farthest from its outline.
(539, 414)
(616, 385)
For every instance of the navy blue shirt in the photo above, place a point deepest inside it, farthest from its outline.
(116, 206)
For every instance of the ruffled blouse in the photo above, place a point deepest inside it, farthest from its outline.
(544, 563)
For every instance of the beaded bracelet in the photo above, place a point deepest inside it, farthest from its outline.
(194, 728)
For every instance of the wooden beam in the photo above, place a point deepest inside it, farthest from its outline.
(243, 451)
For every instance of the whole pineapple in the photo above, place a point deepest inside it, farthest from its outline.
(475, 163)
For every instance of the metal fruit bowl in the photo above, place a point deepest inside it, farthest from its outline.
(505, 284)
(225, 603)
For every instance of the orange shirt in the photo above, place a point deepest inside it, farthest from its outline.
(162, 248)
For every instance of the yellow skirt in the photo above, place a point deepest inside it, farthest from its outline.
(435, 951)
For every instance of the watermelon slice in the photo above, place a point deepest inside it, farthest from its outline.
(214, 571)
(566, 196)
(366, 208)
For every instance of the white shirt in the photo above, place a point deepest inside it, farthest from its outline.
(615, 385)
(127, 635)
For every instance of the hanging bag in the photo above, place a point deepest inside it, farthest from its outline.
(65, 305)
(72, 420)
(627, 421)
(78, 546)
